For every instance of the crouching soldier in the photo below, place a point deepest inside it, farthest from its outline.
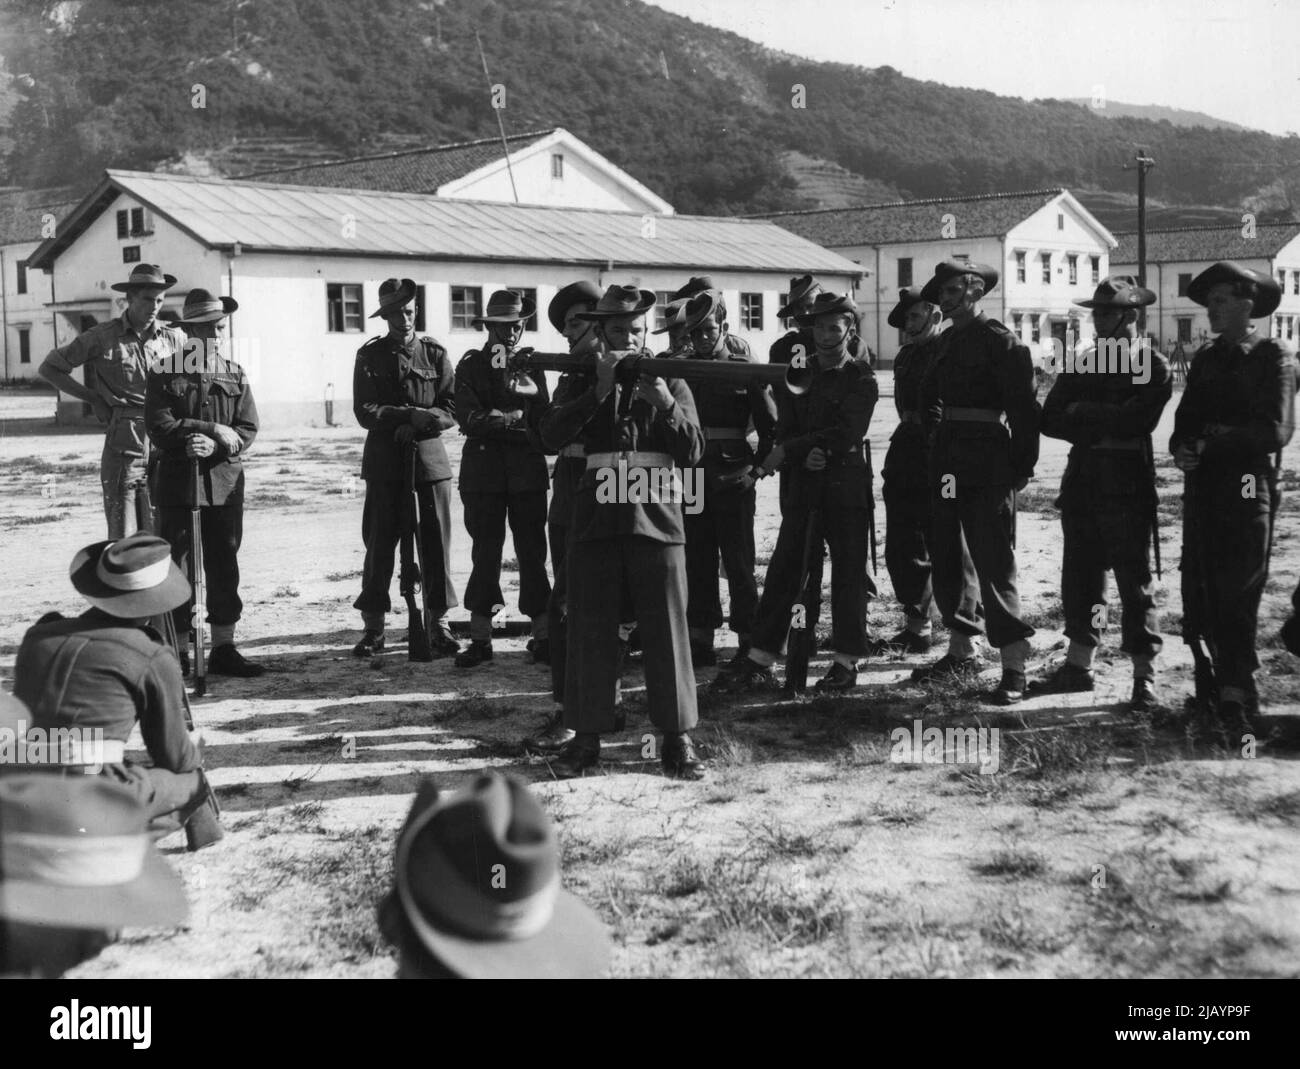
(820, 432)
(977, 464)
(724, 526)
(202, 413)
(92, 677)
(1106, 406)
(1237, 411)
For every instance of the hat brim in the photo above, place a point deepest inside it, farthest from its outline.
(574, 945)
(644, 305)
(1268, 294)
(154, 899)
(899, 312)
(167, 283)
(789, 311)
(171, 593)
(399, 298)
(228, 306)
(809, 319)
(573, 293)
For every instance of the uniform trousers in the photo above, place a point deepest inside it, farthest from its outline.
(653, 576)
(907, 550)
(724, 527)
(222, 529)
(486, 516)
(381, 527)
(977, 590)
(1118, 538)
(123, 478)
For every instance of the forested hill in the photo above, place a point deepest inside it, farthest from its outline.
(703, 117)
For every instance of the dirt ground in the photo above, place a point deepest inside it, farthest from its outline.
(1103, 845)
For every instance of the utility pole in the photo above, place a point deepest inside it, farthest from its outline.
(1142, 163)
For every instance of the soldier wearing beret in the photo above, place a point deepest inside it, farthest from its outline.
(117, 356)
(724, 526)
(503, 477)
(1106, 407)
(403, 395)
(821, 432)
(202, 413)
(906, 490)
(979, 375)
(1236, 413)
(630, 544)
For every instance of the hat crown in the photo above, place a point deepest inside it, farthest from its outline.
(619, 299)
(698, 284)
(73, 808)
(504, 302)
(135, 554)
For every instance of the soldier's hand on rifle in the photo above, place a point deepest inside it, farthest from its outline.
(229, 440)
(423, 420)
(1187, 458)
(405, 434)
(606, 364)
(653, 389)
(816, 459)
(199, 445)
(775, 458)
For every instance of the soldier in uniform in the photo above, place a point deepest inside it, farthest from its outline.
(106, 669)
(977, 464)
(1237, 411)
(1108, 493)
(725, 525)
(821, 433)
(502, 477)
(403, 395)
(628, 543)
(203, 412)
(679, 341)
(906, 490)
(117, 356)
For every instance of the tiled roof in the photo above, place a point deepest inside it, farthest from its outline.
(1207, 243)
(264, 216)
(985, 215)
(420, 170)
(23, 211)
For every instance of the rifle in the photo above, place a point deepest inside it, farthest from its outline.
(164, 622)
(803, 638)
(1155, 501)
(413, 574)
(633, 366)
(196, 578)
(1203, 646)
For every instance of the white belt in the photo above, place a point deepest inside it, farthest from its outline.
(633, 458)
(75, 751)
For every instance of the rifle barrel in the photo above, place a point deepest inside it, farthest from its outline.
(733, 371)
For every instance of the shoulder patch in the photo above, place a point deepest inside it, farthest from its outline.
(997, 327)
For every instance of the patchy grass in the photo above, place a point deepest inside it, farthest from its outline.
(1020, 864)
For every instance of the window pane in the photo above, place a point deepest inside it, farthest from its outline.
(529, 294)
(662, 297)
(419, 309)
(751, 311)
(130, 254)
(24, 345)
(904, 271)
(22, 276)
(466, 305)
(123, 223)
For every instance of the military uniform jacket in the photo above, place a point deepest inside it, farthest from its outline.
(783, 349)
(568, 470)
(177, 405)
(905, 463)
(732, 407)
(595, 424)
(981, 365)
(835, 414)
(97, 671)
(391, 379)
(1247, 389)
(499, 457)
(1107, 418)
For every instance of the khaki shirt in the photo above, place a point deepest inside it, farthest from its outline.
(121, 358)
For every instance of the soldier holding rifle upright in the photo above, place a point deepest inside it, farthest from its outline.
(202, 413)
(1236, 414)
(1108, 493)
(403, 394)
(118, 354)
(819, 432)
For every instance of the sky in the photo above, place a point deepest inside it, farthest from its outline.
(1237, 60)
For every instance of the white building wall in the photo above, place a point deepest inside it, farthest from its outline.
(582, 185)
(23, 312)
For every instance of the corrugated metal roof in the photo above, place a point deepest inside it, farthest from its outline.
(420, 170)
(985, 215)
(264, 216)
(1207, 243)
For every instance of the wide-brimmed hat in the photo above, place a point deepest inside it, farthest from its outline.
(393, 294)
(583, 292)
(825, 304)
(1119, 291)
(202, 307)
(906, 298)
(701, 307)
(75, 852)
(698, 284)
(148, 276)
(477, 879)
(800, 290)
(505, 306)
(674, 316)
(951, 269)
(1268, 293)
(132, 577)
(621, 301)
